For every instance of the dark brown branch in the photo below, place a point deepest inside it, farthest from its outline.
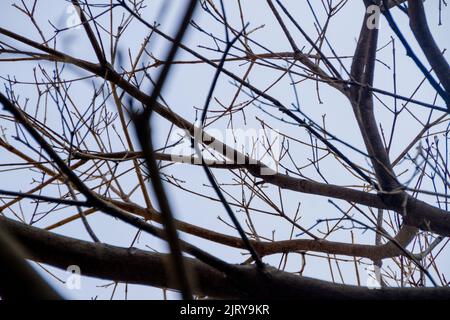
(95, 44)
(419, 26)
(141, 267)
(403, 238)
(18, 280)
(362, 71)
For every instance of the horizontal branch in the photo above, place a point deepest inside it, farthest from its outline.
(264, 248)
(148, 268)
(18, 280)
(420, 214)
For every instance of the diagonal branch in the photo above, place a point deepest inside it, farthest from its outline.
(419, 26)
(18, 280)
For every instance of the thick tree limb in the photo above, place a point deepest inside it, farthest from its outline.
(362, 71)
(419, 26)
(18, 280)
(141, 267)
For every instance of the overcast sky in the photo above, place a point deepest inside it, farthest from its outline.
(188, 88)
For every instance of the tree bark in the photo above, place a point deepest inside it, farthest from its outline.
(148, 268)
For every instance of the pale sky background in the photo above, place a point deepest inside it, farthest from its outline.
(188, 88)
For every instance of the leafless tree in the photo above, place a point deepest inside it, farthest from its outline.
(98, 132)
